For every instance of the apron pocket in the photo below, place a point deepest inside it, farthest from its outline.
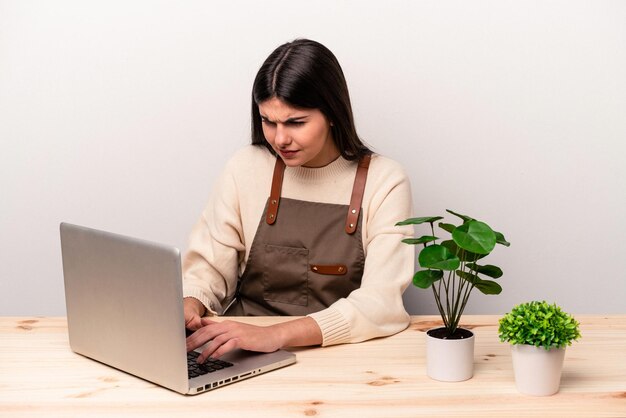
(285, 276)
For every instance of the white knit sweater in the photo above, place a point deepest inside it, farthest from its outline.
(220, 241)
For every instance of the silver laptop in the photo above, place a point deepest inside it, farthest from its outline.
(125, 309)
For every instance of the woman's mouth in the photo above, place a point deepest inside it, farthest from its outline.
(288, 153)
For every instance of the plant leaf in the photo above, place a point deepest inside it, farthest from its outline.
(487, 287)
(421, 240)
(462, 254)
(438, 257)
(488, 270)
(447, 227)
(417, 221)
(464, 217)
(425, 278)
(475, 236)
(501, 240)
(472, 278)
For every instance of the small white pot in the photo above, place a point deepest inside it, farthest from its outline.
(450, 360)
(537, 370)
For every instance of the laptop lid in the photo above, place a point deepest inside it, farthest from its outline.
(124, 308)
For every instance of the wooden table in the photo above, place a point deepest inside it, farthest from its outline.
(40, 376)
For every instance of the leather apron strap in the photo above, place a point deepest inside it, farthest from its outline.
(357, 194)
(358, 189)
(277, 185)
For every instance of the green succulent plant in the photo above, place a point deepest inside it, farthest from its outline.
(539, 324)
(451, 269)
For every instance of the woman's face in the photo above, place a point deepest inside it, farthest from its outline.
(302, 137)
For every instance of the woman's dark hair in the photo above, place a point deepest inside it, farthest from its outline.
(305, 74)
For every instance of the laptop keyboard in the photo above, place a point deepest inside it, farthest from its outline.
(210, 365)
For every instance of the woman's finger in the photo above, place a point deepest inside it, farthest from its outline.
(218, 347)
(231, 344)
(201, 337)
(206, 321)
(193, 323)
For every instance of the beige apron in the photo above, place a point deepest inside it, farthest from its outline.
(305, 256)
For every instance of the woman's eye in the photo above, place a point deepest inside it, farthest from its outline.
(295, 123)
(267, 122)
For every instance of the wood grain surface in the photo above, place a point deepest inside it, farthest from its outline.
(386, 377)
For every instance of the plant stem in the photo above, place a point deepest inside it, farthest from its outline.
(446, 312)
(466, 298)
(454, 289)
(439, 307)
(457, 295)
(458, 308)
(465, 290)
(446, 285)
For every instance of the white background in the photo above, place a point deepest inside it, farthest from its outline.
(120, 114)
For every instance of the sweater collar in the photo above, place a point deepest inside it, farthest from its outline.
(337, 168)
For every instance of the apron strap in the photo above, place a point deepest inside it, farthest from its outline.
(277, 185)
(355, 201)
(357, 194)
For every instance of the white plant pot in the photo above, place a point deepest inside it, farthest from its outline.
(450, 360)
(537, 370)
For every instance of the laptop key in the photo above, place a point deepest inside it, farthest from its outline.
(224, 363)
(209, 366)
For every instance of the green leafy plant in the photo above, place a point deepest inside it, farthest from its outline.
(539, 324)
(451, 267)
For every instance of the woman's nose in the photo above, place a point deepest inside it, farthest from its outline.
(282, 136)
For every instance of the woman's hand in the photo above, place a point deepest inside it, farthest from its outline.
(228, 335)
(225, 336)
(193, 309)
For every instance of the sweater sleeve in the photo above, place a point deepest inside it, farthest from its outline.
(210, 266)
(376, 308)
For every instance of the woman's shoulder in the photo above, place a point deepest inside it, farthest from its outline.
(385, 167)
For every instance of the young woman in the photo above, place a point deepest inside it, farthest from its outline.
(301, 222)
